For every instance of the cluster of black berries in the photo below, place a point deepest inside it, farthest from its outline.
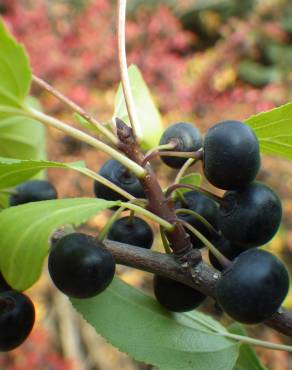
(252, 288)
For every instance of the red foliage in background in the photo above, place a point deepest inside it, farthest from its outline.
(35, 354)
(77, 50)
(81, 48)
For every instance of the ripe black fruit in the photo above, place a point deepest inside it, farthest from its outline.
(254, 287)
(188, 139)
(3, 284)
(132, 230)
(231, 155)
(205, 207)
(228, 249)
(80, 266)
(17, 316)
(175, 296)
(251, 216)
(115, 172)
(33, 191)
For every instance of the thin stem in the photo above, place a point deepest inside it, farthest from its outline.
(241, 338)
(80, 135)
(222, 259)
(174, 187)
(203, 323)
(257, 342)
(171, 145)
(199, 218)
(106, 182)
(169, 153)
(183, 170)
(131, 218)
(194, 155)
(103, 233)
(165, 241)
(124, 70)
(8, 191)
(76, 108)
(8, 110)
(144, 212)
(182, 199)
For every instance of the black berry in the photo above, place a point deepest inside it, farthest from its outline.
(251, 216)
(115, 172)
(17, 316)
(132, 230)
(33, 191)
(205, 207)
(231, 155)
(3, 284)
(188, 139)
(175, 296)
(80, 266)
(254, 287)
(228, 249)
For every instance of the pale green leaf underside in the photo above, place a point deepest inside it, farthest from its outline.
(148, 114)
(15, 73)
(274, 130)
(21, 137)
(247, 359)
(15, 171)
(134, 323)
(25, 232)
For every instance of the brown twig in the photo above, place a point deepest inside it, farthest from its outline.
(178, 239)
(208, 194)
(195, 273)
(76, 108)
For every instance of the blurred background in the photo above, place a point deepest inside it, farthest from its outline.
(204, 61)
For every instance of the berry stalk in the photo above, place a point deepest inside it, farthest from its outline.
(80, 135)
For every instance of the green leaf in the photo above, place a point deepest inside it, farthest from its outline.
(15, 171)
(148, 115)
(193, 179)
(25, 232)
(134, 323)
(21, 137)
(274, 130)
(15, 72)
(247, 357)
(3, 201)
(86, 124)
(257, 74)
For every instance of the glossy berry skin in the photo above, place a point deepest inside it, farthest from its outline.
(205, 207)
(80, 266)
(134, 231)
(115, 172)
(228, 249)
(17, 316)
(33, 191)
(188, 138)
(254, 287)
(175, 296)
(252, 216)
(231, 155)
